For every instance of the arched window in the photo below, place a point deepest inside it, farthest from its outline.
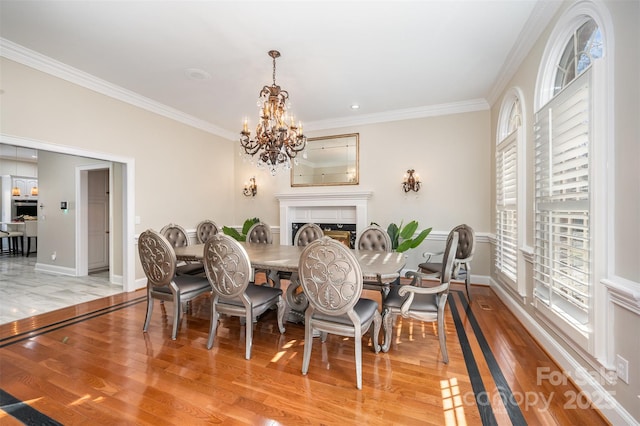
(566, 96)
(509, 191)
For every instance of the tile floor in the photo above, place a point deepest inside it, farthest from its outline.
(25, 292)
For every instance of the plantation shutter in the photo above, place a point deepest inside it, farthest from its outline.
(506, 206)
(562, 269)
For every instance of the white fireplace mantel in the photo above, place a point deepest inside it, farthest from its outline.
(321, 207)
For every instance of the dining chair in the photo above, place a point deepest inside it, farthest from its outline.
(159, 264)
(30, 233)
(260, 233)
(177, 237)
(417, 301)
(331, 279)
(462, 262)
(306, 234)
(375, 238)
(228, 270)
(205, 229)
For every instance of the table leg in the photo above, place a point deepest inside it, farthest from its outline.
(296, 300)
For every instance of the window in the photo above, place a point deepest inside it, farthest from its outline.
(563, 225)
(506, 255)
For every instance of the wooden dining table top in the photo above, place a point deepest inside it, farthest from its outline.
(385, 266)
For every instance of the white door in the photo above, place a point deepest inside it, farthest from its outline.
(98, 220)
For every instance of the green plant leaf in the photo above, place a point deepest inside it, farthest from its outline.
(404, 246)
(233, 233)
(409, 229)
(420, 238)
(392, 230)
(248, 224)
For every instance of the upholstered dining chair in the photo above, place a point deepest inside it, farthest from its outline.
(331, 278)
(228, 269)
(417, 301)
(375, 238)
(177, 237)
(159, 264)
(461, 263)
(306, 234)
(260, 233)
(206, 229)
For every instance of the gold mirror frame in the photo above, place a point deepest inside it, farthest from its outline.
(328, 161)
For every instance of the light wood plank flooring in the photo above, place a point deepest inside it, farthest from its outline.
(92, 364)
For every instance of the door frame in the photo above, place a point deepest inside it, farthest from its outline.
(128, 197)
(82, 219)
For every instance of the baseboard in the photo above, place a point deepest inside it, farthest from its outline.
(54, 269)
(589, 385)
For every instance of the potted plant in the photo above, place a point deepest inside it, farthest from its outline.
(233, 233)
(401, 236)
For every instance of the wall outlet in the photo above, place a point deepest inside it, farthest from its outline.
(622, 369)
(54, 255)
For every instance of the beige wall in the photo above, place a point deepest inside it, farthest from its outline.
(451, 154)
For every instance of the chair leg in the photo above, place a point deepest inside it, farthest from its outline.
(177, 311)
(358, 342)
(377, 322)
(387, 325)
(441, 334)
(147, 319)
(248, 334)
(467, 281)
(214, 324)
(308, 342)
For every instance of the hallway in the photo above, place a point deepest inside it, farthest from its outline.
(25, 292)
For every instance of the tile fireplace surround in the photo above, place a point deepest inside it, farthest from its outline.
(320, 207)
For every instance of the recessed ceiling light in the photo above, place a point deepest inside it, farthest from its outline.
(355, 106)
(197, 74)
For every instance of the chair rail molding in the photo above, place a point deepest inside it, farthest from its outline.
(322, 207)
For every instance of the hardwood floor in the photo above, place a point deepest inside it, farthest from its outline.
(92, 364)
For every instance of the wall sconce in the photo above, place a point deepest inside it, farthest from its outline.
(250, 189)
(411, 181)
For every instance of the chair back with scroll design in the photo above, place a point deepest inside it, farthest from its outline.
(462, 262)
(374, 237)
(228, 270)
(417, 301)
(159, 265)
(205, 229)
(177, 237)
(331, 278)
(308, 233)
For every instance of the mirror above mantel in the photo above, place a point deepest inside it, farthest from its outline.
(327, 161)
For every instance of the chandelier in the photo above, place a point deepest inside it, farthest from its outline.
(278, 139)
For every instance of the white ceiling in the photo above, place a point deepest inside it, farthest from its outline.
(393, 58)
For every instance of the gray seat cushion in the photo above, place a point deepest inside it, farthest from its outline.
(364, 308)
(187, 284)
(259, 295)
(421, 302)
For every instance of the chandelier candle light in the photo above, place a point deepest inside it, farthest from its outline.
(278, 139)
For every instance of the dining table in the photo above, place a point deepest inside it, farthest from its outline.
(383, 268)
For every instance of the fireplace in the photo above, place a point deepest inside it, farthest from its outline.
(344, 232)
(324, 209)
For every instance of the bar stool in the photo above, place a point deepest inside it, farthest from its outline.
(15, 240)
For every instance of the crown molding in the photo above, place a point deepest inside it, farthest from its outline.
(542, 14)
(35, 60)
(400, 114)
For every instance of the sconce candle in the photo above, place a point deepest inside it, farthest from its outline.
(411, 181)
(250, 189)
